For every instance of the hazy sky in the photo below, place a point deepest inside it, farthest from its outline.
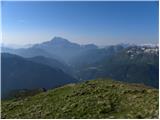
(101, 23)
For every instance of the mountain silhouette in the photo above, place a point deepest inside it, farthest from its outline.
(19, 73)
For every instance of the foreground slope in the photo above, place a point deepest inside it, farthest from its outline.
(91, 99)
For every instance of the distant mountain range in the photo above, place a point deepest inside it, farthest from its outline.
(15, 46)
(60, 61)
(134, 64)
(57, 48)
(52, 63)
(20, 73)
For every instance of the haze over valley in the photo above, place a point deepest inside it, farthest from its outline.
(131, 63)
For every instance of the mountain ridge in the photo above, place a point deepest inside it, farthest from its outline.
(19, 73)
(89, 61)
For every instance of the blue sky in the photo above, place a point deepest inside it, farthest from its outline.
(101, 23)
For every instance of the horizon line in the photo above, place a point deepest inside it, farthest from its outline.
(3, 44)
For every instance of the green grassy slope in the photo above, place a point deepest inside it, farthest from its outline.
(91, 99)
